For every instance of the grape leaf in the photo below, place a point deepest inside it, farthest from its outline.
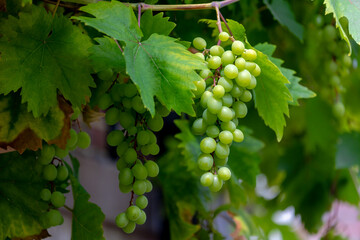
(20, 204)
(87, 217)
(155, 24)
(21, 130)
(106, 55)
(163, 68)
(41, 55)
(350, 10)
(282, 12)
(114, 19)
(346, 187)
(348, 150)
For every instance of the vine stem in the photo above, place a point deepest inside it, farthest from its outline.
(139, 14)
(68, 208)
(56, 7)
(224, 21)
(180, 7)
(117, 43)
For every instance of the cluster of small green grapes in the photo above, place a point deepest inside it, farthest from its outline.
(221, 95)
(56, 173)
(134, 143)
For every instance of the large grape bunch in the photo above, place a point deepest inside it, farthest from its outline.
(136, 144)
(222, 95)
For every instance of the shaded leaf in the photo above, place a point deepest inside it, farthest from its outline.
(155, 24)
(348, 150)
(346, 188)
(41, 55)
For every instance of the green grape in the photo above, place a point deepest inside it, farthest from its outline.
(143, 138)
(139, 171)
(50, 172)
(335, 80)
(73, 139)
(208, 145)
(62, 173)
(75, 114)
(139, 187)
(117, 92)
(145, 150)
(206, 73)
(216, 185)
(130, 90)
(214, 62)
(121, 164)
(130, 156)
(224, 173)
(47, 154)
(137, 104)
(54, 218)
(84, 140)
(237, 91)
(256, 72)
(200, 55)
(226, 83)
(329, 33)
(237, 47)
(243, 79)
(152, 137)
(127, 103)
(347, 61)
(126, 176)
(152, 168)
(218, 91)
(238, 135)
(126, 120)
(105, 74)
(339, 109)
(142, 219)
(149, 186)
(114, 138)
(235, 120)
(141, 202)
(105, 101)
(246, 97)
(199, 126)
(212, 131)
(121, 149)
(153, 149)
(45, 194)
(207, 179)
(230, 126)
(224, 36)
(227, 57)
(214, 105)
(226, 137)
(133, 213)
(222, 150)
(57, 199)
(225, 114)
(205, 98)
(227, 100)
(205, 161)
(249, 55)
(199, 43)
(162, 110)
(250, 66)
(130, 228)
(112, 116)
(121, 220)
(61, 153)
(231, 71)
(200, 87)
(253, 83)
(125, 188)
(240, 63)
(240, 109)
(216, 50)
(132, 131)
(208, 117)
(220, 161)
(156, 123)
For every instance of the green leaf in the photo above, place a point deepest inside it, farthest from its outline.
(348, 150)
(155, 24)
(282, 12)
(346, 187)
(163, 68)
(237, 29)
(87, 217)
(15, 120)
(41, 55)
(20, 204)
(106, 55)
(80, 1)
(349, 10)
(114, 19)
(237, 193)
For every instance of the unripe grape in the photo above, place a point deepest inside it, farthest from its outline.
(253, 83)
(112, 116)
(200, 55)
(216, 50)
(205, 97)
(200, 87)
(208, 117)
(237, 91)
(329, 33)
(224, 36)
(154, 149)
(249, 55)
(121, 149)
(220, 161)
(130, 155)
(152, 168)
(61, 153)
(50, 172)
(231, 71)
(53, 218)
(240, 63)
(214, 62)
(45, 194)
(141, 201)
(256, 72)
(73, 139)
(227, 100)
(106, 74)
(339, 109)
(207, 179)
(243, 78)
(47, 154)
(212, 131)
(237, 47)
(121, 164)
(240, 109)
(226, 137)
(216, 185)
(246, 97)
(218, 91)
(208, 145)
(121, 220)
(199, 43)
(227, 57)
(125, 188)
(156, 123)
(238, 135)
(127, 102)
(133, 213)
(57, 199)
(226, 83)
(235, 120)
(143, 138)
(230, 126)
(75, 114)
(126, 120)
(224, 173)
(222, 150)
(137, 104)
(139, 171)
(84, 140)
(205, 73)
(142, 219)
(347, 60)
(117, 92)
(199, 126)
(214, 105)
(62, 173)
(132, 131)
(205, 161)
(139, 187)
(114, 138)
(149, 186)
(225, 114)
(250, 66)
(130, 228)
(130, 90)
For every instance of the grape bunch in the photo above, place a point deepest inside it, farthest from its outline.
(221, 96)
(136, 144)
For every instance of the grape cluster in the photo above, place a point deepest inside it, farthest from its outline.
(135, 144)
(56, 173)
(221, 95)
